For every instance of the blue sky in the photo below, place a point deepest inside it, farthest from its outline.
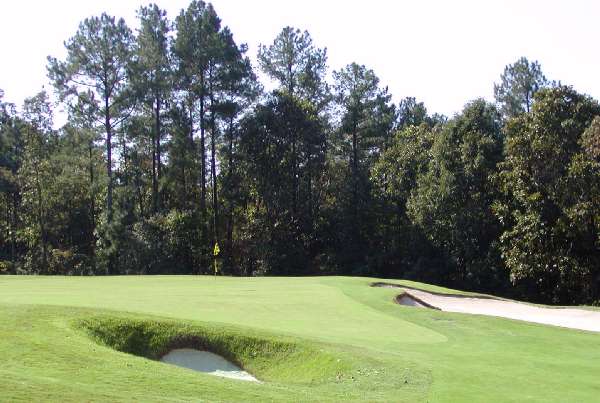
(444, 53)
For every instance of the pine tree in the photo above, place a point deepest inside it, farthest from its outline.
(152, 80)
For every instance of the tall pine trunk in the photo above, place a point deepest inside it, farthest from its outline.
(203, 230)
(229, 246)
(202, 156)
(109, 195)
(92, 205)
(192, 147)
(213, 167)
(92, 198)
(154, 180)
(158, 203)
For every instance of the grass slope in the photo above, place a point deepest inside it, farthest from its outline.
(309, 339)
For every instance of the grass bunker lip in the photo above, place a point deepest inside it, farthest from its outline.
(408, 299)
(255, 358)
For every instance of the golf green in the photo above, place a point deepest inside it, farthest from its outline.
(306, 339)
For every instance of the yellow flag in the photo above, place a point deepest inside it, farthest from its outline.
(216, 252)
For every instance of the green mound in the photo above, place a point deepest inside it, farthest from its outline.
(268, 359)
(69, 354)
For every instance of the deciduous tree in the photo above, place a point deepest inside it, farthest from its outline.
(550, 244)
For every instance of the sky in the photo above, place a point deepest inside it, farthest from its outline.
(444, 53)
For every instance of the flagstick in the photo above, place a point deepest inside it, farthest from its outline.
(216, 251)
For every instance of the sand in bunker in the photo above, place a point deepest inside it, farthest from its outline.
(564, 317)
(207, 362)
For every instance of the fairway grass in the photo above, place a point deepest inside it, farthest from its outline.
(306, 339)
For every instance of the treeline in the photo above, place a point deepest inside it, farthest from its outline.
(172, 146)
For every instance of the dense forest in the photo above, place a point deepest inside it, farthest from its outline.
(172, 146)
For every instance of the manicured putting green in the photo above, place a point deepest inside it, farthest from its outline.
(346, 341)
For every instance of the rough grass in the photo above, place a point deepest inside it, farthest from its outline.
(60, 337)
